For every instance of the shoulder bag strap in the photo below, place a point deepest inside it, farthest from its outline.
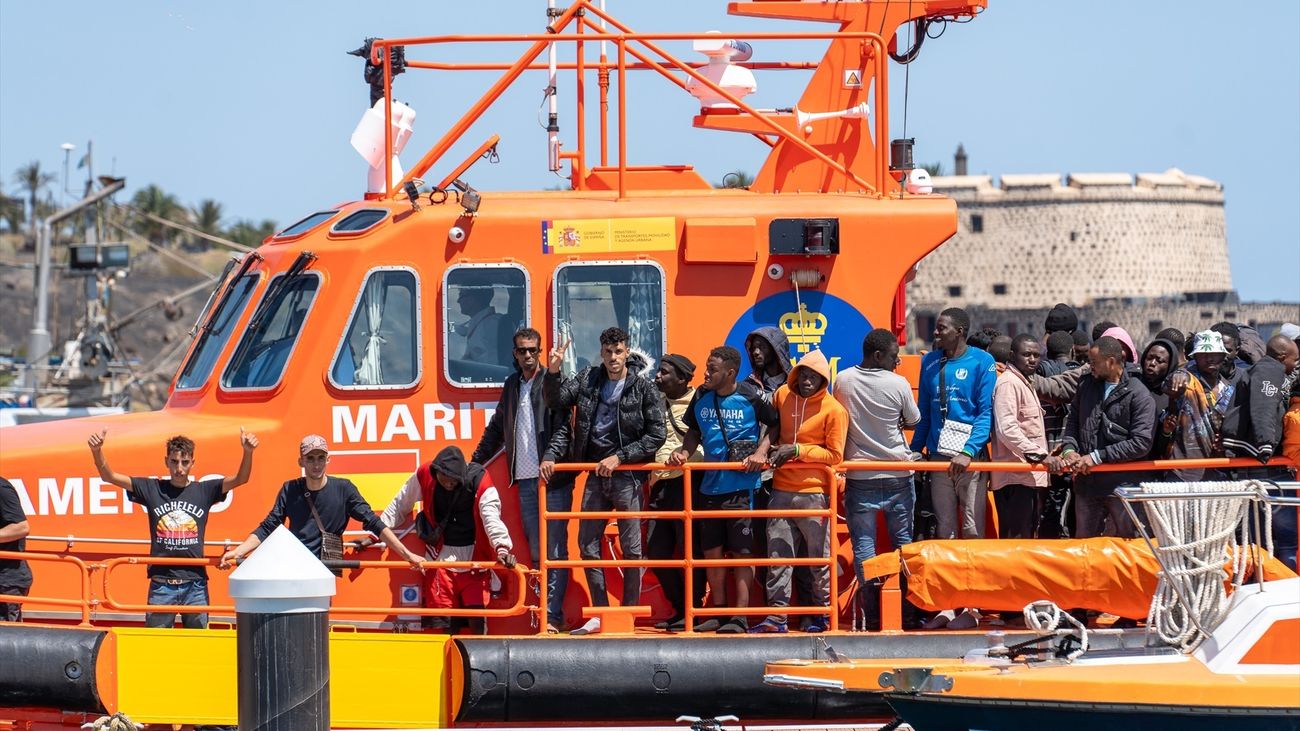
(943, 388)
(717, 407)
(681, 432)
(311, 503)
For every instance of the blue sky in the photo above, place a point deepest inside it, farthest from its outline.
(252, 103)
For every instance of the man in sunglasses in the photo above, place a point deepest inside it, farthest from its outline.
(522, 426)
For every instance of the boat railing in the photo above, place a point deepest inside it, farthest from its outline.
(645, 53)
(688, 515)
(1251, 529)
(85, 601)
(891, 610)
(90, 600)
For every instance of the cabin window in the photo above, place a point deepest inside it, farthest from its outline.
(215, 333)
(591, 296)
(264, 351)
(306, 224)
(381, 348)
(482, 306)
(360, 221)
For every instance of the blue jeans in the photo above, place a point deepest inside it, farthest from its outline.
(189, 594)
(559, 498)
(863, 499)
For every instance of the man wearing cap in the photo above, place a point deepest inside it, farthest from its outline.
(177, 510)
(459, 520)
(1201, 397)
(317, 504)
(522, 427)
(667, 487)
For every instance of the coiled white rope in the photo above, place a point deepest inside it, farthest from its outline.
(1044, 616)
(116, 722)
(1194, 538)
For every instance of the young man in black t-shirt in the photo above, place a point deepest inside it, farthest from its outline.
(177, 510)
(15, 576)
(317, 503)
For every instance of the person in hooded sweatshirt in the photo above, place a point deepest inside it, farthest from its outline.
(618, 418)
(769, 360)
(768, 350)
(459, 520)
(1159, 359)
(813, 429)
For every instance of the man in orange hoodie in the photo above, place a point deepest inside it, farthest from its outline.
(813, 430)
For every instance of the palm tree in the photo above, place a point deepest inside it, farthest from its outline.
(736, 179)
(152, 199)
(249, 233)
(33, 180)
(207, 218)
(12, 213)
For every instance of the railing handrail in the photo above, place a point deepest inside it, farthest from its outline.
(687, 515)
(688, 561)
(519, 607)
(84, 603)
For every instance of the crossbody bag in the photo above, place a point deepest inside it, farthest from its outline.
(739, 450)
(954, 434)
(331, 544)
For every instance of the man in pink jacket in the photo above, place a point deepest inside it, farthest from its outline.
(1018, 436)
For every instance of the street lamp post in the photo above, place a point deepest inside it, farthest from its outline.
(67, 148)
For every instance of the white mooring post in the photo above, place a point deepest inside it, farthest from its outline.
(282, 597)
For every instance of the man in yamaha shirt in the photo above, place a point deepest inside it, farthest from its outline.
(178, 512)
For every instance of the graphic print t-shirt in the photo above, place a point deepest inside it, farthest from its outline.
(178, 517)
(744, 416)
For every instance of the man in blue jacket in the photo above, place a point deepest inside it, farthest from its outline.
(956, 402)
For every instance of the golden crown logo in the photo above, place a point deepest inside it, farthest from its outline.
(803, 328)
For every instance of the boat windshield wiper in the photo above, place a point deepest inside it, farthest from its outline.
(225, 285)
(277, 286)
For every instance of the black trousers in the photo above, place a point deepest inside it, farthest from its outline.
(664, 539)
(1018, 510)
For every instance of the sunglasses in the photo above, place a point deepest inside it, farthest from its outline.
(528, 351)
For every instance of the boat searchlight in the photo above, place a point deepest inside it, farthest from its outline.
(724, 55)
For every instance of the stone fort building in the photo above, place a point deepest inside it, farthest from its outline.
(1146, 252)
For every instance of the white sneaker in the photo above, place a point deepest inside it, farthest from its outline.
(592, 627)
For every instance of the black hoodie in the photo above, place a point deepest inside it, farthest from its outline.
(780, 345)
(456, 506)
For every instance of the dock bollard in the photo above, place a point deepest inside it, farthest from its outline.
(282, 597)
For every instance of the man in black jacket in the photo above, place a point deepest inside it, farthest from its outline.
(1254, 427)
(618, 418)
(522, 426)
(1111, 419)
